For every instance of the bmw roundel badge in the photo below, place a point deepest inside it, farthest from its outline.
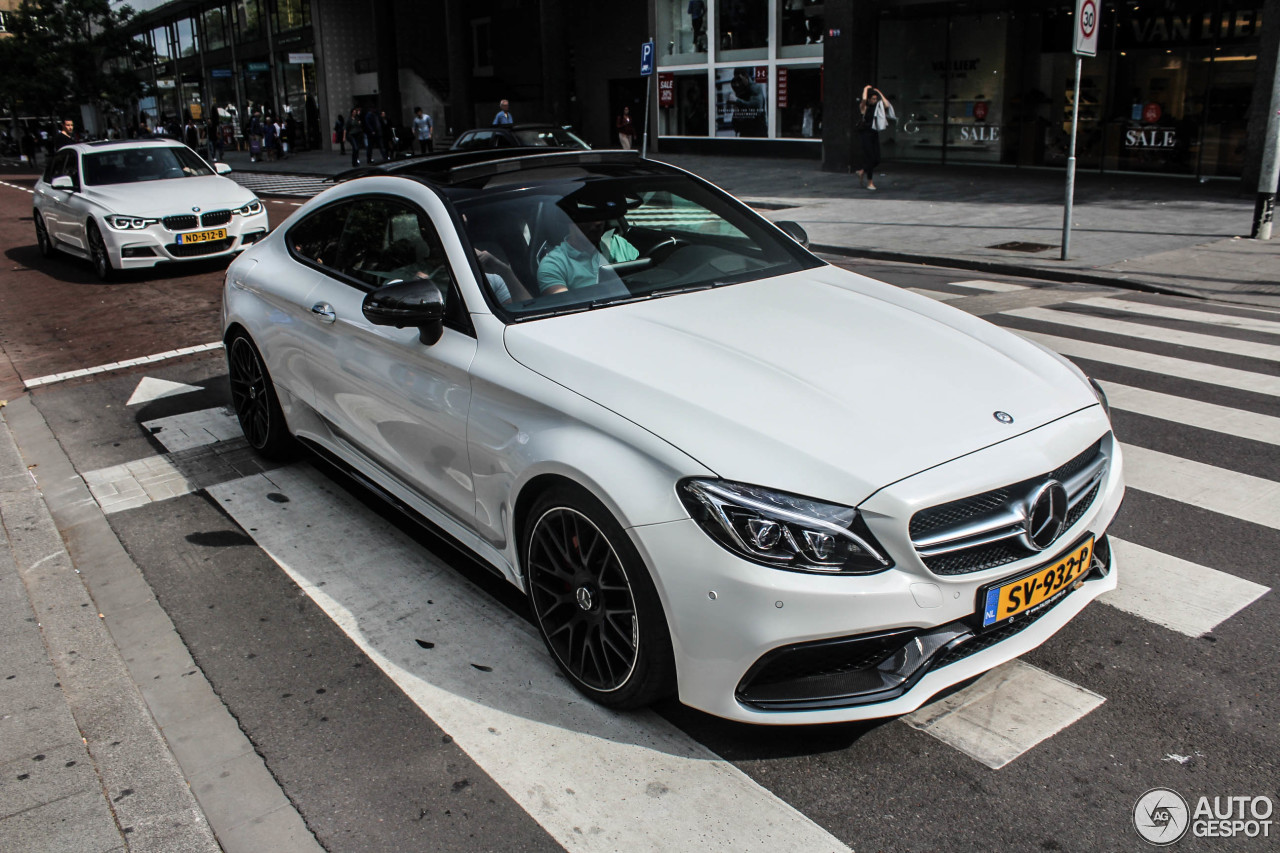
(1003, 417)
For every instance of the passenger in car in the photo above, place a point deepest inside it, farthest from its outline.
(589, 244)
(502, 279)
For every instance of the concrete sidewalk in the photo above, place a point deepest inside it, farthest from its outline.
(1173, 235)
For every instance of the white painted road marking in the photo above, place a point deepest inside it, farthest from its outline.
(1179, 368)
(1195, 413)
(1005, 713)
(1226, 320)
(137, 483)
(1176, 593)
(151, 388)
(991, 286)
(1213, 343)
(120, 365)
(550, 749)
(1241, 496)
(936, 294)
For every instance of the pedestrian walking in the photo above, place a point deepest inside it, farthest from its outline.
(190, 135)
(874, 112)
(270, 139)
(626, 129)
(504, 117)
(423, 131)
(372, 133)
(255, 137)
(387, 138)
(340, 134)
(353, 131)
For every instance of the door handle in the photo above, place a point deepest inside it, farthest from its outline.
(324, 311)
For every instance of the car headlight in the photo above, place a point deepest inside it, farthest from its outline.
(782, 530)
(1101, 395)
(253, 208)
(121, 222)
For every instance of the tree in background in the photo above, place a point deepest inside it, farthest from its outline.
(65, 53)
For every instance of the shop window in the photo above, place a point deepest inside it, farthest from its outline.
(801, 26)
(799, 102)
(742, 101)
(742, 28)
(161, 44)
(186, 37)
(912, 75)
(292, 14)
(248, 16)
(215, 28)
(682, 31)
(682, 104)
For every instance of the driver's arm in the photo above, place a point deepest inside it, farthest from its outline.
(552, 277)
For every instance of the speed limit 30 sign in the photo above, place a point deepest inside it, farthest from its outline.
(1086, 32)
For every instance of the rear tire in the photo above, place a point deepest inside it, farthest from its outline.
(254, 398)
(594, 601)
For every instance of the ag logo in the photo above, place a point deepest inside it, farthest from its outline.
(1161, 816)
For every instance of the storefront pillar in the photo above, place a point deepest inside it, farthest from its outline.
(849, 63)
(388, 59)
(460, 110)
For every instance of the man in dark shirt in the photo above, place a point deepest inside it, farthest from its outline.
(65, 135)
(372, 133)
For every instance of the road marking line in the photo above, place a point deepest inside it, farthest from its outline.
(151, 388)
(1219, 490)
(1214, 343)
(17, 187)
(1169, 312)
(552, 750)
(1178, 368)
(194, 429)
(120, 365)
(1005, 713)
(1178, 594)
(1194, 413)
(992, 286)
(939, 295)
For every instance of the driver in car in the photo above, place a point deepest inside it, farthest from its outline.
(590, 243)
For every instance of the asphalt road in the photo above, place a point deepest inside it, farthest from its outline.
(1172, 686)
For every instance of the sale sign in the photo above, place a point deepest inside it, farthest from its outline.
(666, 89)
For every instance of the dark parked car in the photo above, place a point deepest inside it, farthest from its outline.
(519, 136)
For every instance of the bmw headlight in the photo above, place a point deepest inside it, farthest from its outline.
(253, 208)
(782, 530)
(121, 222)
(1101, 395)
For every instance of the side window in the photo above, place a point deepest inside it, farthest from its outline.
(316, 237)
(386, 240)
(479, 139)
(72, 168)
(56, 166)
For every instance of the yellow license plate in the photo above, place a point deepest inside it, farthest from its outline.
(1014, 597)
(202, 236)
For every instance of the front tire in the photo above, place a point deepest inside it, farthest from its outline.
(43, 241)
(594, 601)
(98, 253)
(254, 398)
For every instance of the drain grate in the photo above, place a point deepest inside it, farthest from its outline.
(1019, 246)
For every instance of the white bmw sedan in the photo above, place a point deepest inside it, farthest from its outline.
(137, 203)
(719, 467)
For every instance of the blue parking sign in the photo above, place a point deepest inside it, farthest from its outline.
(646, 59)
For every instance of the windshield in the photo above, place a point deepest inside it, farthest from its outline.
(550, 136)
(584, 244)
(153, 163)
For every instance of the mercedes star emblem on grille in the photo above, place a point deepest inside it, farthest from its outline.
(1046, 513)
(1003, 417)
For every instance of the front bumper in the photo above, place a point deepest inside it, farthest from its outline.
(728, 617)
(156, 244)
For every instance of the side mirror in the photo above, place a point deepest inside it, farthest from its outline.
(221, 169)
(417, 302)
(63, 182)
(794, 231)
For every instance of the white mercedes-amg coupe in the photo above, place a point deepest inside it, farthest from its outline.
(718, 466)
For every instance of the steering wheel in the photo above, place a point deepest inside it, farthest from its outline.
(664, 249)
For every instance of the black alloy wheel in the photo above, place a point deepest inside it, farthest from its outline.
(98, 253)
(43, 241)
(254, 399)
(594, 602)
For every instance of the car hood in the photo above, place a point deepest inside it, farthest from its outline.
(170, 197)
(822, 383)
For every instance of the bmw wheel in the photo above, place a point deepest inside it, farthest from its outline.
(98, 253)
(43, 241)
(255, 401)
(594, 602)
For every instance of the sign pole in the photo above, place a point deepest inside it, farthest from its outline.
(644, 138)
(1071, 166)
(1084, 43)
(1264, 211)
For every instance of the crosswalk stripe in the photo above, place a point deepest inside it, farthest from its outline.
(1181, 595)
(1005, 713)
(1195, 413)
(1241, 496)
(553, 751)
(1170, 312)
(991, 286)
(1213, 343)
(941, 296)
(1179, 368)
